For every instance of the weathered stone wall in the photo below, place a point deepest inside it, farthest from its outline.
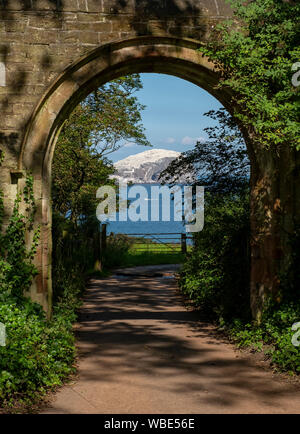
(39, 39)
(41, 44)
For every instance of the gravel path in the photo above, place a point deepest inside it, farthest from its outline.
(141, 351)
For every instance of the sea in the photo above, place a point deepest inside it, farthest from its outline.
(168, 230)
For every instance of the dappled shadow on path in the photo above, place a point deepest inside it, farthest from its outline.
(137, 329)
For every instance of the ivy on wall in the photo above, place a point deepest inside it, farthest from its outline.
(16, 267)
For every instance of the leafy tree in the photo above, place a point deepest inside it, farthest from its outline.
(215, 274)
(116, 115)
(220, 163)
(97, 127)
(255, 52)
(77, 170)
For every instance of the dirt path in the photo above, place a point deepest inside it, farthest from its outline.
(141, 351)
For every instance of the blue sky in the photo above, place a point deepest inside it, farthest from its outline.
(173, 117)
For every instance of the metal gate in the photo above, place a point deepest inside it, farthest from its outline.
(161, 243)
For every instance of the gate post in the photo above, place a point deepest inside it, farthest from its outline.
(183, 243)
(103, 238)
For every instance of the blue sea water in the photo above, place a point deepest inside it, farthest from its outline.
(149, 227)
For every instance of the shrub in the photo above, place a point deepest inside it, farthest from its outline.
(38, 353)
(216, 273)
(216, 277)
(273, 335)
(117, 247)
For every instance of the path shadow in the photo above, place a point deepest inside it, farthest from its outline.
(139, 327)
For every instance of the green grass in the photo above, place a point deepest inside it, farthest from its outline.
(152, 254)
(156, 247)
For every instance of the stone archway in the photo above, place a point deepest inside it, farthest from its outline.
(274, 197)
(178, 57)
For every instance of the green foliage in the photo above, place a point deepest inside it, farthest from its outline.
(77, 171)
(220, 163)
(216, 273)
(273, 335)
(255, 53)
(115, 113)
(38, 354)
(74, 254)
(123, 251)
(117, 247)
(98, 126)
(17, 269)
(134, 258)
(73, 246)
(216, 277)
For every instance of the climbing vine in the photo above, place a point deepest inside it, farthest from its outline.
(38, 354)
(16, 267)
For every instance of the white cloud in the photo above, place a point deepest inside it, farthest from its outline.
(129, 145)
(170, 140)
(187, 140)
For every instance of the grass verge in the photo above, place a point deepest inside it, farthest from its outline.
(151, 257)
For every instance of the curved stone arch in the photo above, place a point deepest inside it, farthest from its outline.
(167, 55)
(177, 57)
